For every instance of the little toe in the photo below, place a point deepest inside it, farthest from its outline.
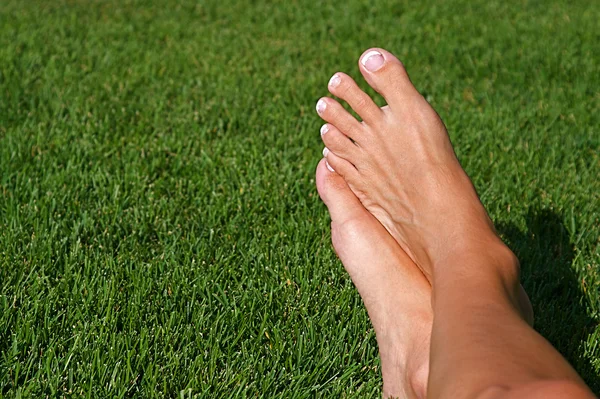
(344, 87)
(387, 75)
(338, 142)
(331, 111)
(341, 166)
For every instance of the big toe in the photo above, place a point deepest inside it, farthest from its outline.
(341, 202)
(387, 75)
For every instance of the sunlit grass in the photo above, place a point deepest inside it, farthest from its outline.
(160, 233)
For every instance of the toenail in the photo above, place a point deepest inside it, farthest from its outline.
(335, 81)
(325, 152)
(321, 105)
(329, 167)
(324, 129)
(373, 60)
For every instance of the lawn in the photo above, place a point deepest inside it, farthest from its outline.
(160, 233)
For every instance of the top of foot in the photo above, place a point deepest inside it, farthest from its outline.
(401, 165)
(395, 292)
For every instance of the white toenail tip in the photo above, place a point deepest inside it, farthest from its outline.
(371, 53)
(325, 152)
(335, 80)
(329, 167)
(321, 105)
(324, 129)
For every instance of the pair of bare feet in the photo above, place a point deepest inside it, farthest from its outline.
(401, 209)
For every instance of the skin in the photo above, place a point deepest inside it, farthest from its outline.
(400, 165)
(396, 294)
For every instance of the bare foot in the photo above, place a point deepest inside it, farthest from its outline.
(395, 292)
(401, 165)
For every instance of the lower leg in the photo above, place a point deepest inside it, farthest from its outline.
(482, 344)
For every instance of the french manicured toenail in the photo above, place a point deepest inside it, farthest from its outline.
(373, 60)
(321, 105)
(325, 152)
(329, 167)
(324, 129)
(335, 81)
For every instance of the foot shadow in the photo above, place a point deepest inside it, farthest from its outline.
(546, 255)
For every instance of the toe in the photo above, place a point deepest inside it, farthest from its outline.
(386, 74)
(331, 111)
(338, 142)
(340, 165)
(335, 193)
(344, 87)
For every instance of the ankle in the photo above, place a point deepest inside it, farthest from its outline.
(408, 380)
(490, 267)
(418, 378)
(485, 257)
(405, 358)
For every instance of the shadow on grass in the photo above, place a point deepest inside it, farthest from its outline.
(546, 256)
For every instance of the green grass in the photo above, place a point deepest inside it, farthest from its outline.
(160, 234)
